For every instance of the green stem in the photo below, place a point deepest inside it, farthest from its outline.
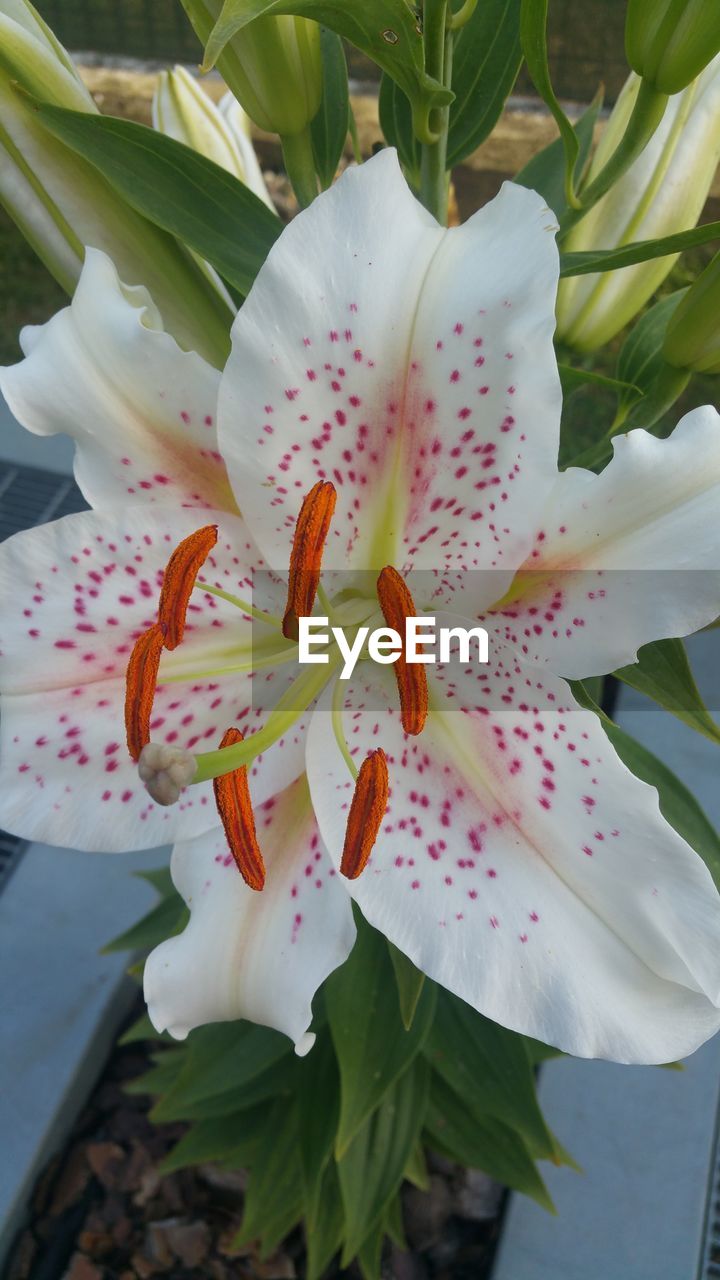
(646, 115)
(438, 41)
(462, 15)
(300, 165)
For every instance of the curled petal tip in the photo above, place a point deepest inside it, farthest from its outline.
(166, 770)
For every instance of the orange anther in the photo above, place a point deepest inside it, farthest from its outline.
(182, 569)
(366, 814)
(232, 797)
(311, 531)
(397, 604)
(141, 679)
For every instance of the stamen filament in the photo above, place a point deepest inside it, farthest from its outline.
(293, 703)
(311, 531)
(337, 724)
(275, 659)
(271, 619)
(366, 814)
(180, 574)
(141, 681)
(397, 604)
(232, 797)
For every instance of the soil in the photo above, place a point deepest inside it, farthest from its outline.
(101, 1210)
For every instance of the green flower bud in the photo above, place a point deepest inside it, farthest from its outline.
(61, 203)
(273, 66)
(662, 192)
(669, 42)
(692, 340)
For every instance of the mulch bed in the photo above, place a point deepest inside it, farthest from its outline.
(101, 1211)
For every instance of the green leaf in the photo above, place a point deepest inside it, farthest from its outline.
(546, 171)
(143, 1029)
(386, 30)
(160, 879)
(540, 1052)
(677, 805)
(160, 1077)
(572, 379)
(179, 190)
(582, 264)
(486, 62)
(318, 1095)
(371, 1169)
(489, 1068)
(232, 1139)
(533, 37)
(274, 1198)
(640, 358)
(371, 1045)
(662, 671)
(483, 1142)
(324, 1229)
(416, 1170)
(396, 124)
(410, 982)
(370, 1254)
(165, 920)
(393, 1224)
(219, 1058)
(279, 1080)
(329, 128)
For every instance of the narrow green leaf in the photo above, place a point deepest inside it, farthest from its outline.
(165, 920)
(329, 128)
(324, 1228)
(677, 805)
(486, 62)
(143, 1029)
(370, 1254)
(179, 190)
(160, 1077)
(371, 1170)
(416, 1170)
(219, 1056)
(278, 1081)
(483, 1142)
(533, 37)
(572, 379)
(386, 30)
(230, 1138)
(640, 357)
(160, 879)
(371, 1045)
(546, 171)
(662, 671)
(318, 1095)
(274, 1198)
(396, 124)
(410, 982)
(489, 1068)
(582, 264)
(393, 1224)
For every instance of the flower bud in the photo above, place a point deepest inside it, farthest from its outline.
(669, 42)
(182, 110)
(272, 65)
(662, 192)
(692, 340)
(61, 203)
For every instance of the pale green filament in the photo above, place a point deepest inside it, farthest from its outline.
(260, 614)
(338, 699)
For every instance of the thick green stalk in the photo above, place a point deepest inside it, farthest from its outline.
(437, 38)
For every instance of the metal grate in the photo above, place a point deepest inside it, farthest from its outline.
(29, 497)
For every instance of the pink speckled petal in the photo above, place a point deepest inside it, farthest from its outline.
(623, 558)
(522, 867)
(246, 954)
(73, 597)
(141, 410)
(410, 365)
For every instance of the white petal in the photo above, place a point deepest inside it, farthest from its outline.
(623, 558)
(141, 410)
(245, 954)
(522, 867)
(410, 365)
(73, 597)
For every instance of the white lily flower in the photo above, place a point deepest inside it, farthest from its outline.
(61, 203)
(182, 110)
(663, 192)
(396, 381)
